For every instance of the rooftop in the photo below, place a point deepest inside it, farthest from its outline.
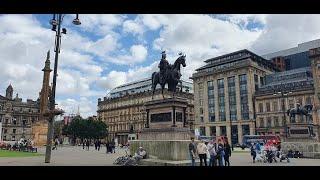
(303, 47)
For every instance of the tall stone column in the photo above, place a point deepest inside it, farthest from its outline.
(251, 129)
(218, 131)
(229, 132)
(240, 136)
(238, 97)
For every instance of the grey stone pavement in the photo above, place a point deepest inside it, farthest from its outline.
(76, 156)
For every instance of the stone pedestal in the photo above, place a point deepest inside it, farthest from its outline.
(302, 137)
(39, 132)
(166, 136)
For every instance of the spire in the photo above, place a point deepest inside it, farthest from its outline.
(48, 55)
(9, 92)
(47, 63)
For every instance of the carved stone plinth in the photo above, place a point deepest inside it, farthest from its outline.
(166, 135)
(39, 132)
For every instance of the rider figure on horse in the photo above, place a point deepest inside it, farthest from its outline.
(163, 66)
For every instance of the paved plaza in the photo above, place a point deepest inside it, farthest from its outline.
(76, 156)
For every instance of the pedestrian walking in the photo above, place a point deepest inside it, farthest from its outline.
(220, 153)
(192, 152)
(212, 151)
(253, 152)
(107, 147)
(202, 152)
(88, 145)
(98, 144)
(83, 143)
(227, 155)
(56, 143)
(113, 146)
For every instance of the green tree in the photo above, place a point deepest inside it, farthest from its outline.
(86, 129)
(57, 128)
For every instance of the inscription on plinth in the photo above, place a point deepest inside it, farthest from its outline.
(161, 117)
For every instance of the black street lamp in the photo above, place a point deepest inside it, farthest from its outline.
(284, 93)
(56, 26)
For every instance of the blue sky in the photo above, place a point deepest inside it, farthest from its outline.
(108, 50)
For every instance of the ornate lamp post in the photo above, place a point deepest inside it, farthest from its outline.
(284, 93)
(56, 26)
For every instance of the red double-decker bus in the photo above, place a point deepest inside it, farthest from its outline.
(264, 139)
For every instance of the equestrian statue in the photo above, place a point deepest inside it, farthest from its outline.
(168, 74)
(299, 110)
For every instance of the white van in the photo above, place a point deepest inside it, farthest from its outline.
(132, 137)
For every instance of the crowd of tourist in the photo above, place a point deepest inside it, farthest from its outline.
(25, 145)
(267, 152)
(210, 153)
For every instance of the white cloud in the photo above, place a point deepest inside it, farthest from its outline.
(104, 45)
(201, 37)
(150, 20)
(86, 106)
(100, 24)
(23, 51)
(117, 78)
(286, 31)
(138, 54)
(133, 27)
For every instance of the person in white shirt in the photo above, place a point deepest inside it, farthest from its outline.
(212, 151)
(140, 154)
(202, 152)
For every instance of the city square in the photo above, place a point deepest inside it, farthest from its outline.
(90, 90)
(76, 156)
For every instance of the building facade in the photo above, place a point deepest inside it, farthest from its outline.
(126, 114)
(17, 116)
(293, 58)
(223, 93)
(297, 86)
(24, 119)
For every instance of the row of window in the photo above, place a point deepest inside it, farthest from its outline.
(5, 131)
(223, 130)
(15, 122)
(271, 122)
(275, 105)
(244, 97)
(124, 127)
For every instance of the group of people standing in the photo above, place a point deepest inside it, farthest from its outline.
(110, 146)
(210, 153)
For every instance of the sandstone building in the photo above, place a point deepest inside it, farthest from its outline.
(123, 110)
(17, 116)
(24, 119)
(297, 86)
(223, 94)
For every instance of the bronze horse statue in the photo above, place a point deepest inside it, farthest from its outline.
(305, 110)
(171, 77)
